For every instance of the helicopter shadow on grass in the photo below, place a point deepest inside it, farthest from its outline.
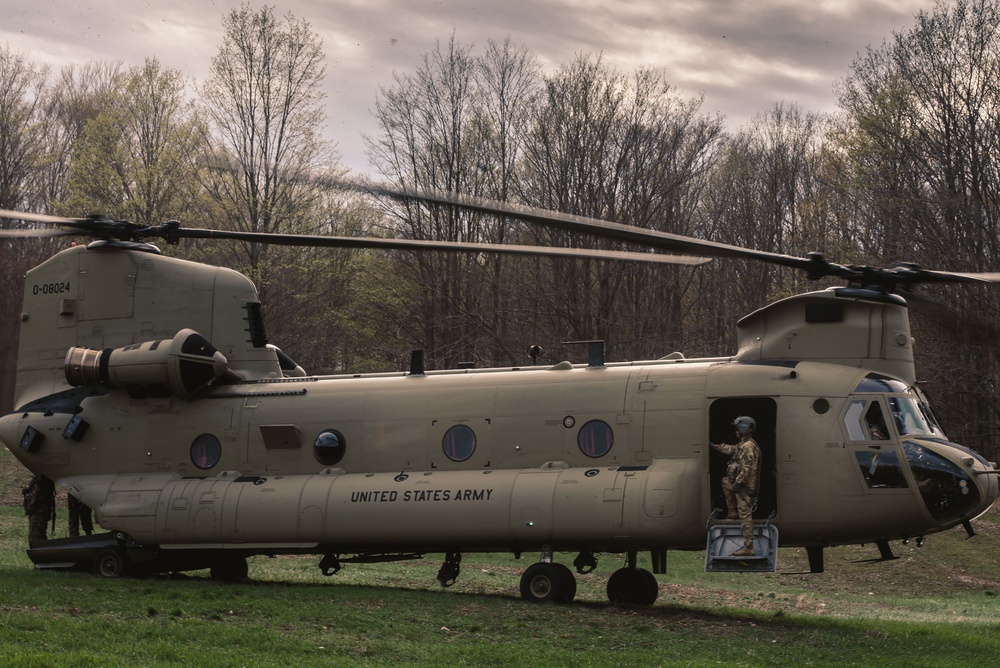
(727, 614)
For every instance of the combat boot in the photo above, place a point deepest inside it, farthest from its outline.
(744, 551)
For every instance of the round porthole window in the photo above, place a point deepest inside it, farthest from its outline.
(329, 447)
(459, 443)
(206, 450)
(595, 438)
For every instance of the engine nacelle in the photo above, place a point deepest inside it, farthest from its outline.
(182, 365)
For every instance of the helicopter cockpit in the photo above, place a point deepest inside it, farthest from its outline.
(884, 412)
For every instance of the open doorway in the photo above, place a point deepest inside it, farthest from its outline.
(764, 411)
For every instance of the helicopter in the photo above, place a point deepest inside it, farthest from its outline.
(146, 388)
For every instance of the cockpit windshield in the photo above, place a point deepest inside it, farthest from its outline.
(875, 382)
(908, 411)
(947, 490)
(907, 417)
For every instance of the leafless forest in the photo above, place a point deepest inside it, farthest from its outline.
(905, 171)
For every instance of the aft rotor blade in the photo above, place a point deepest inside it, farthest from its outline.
(424, 244)
(652, 238)
(932, 276)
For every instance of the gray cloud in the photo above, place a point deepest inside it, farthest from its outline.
(743, 56)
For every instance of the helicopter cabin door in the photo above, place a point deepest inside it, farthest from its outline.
(764, 411)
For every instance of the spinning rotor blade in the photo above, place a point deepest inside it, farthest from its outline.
(931, 276)
(40, 217)
(92, 226)
(34, 234)
(814, 264)
(421, 244)
(36, 218)
(105, 228)
(617, 231)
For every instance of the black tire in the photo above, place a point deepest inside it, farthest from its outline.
(230, 569)
(543, 582)
(568, 583)
(651, 589)
(633, 586)
(109, 563)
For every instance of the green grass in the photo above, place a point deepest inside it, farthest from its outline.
(934, 606)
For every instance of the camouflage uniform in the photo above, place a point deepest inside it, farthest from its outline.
(741, 481)
(79, 516)
(39, 506)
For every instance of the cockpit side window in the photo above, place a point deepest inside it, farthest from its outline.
(852, 420)
(865, 421)
(880, 469)
(877, 430)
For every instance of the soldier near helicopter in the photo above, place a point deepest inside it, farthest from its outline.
(80, 515)
(742, 478)
(39, 506)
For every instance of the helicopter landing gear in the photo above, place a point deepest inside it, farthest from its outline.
(632, 586)
(585, 562)
(230, 569)
(450, 569)
(110, 563)
(548, 581)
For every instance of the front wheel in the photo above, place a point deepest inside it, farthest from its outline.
(543, 582)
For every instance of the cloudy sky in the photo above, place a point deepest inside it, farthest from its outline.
(743, 55)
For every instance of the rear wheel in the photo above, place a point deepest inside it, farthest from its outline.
(109, 563)
(633, 586)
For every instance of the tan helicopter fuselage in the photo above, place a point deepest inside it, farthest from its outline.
(182, 450)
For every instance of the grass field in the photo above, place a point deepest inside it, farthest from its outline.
(934, 606)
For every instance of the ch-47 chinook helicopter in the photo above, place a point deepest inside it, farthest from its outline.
(146, 388)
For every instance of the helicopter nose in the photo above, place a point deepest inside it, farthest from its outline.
(956, 483)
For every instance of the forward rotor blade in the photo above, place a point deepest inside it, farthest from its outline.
(35, 234)
(40, 218)
(423, 244)
(69, 226)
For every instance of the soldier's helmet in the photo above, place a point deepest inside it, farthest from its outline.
(744, 425)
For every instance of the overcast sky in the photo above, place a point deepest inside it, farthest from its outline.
(743, 55)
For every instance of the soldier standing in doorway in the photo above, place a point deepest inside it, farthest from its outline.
(742, 479)
(40, 507)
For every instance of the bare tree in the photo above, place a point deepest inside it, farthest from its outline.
(266, 157)
(770, 191)
(78, 96)
(925, 117)
(625, 148)
(455, 124)
(22, 98)
(22, 90)
(135, 159)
